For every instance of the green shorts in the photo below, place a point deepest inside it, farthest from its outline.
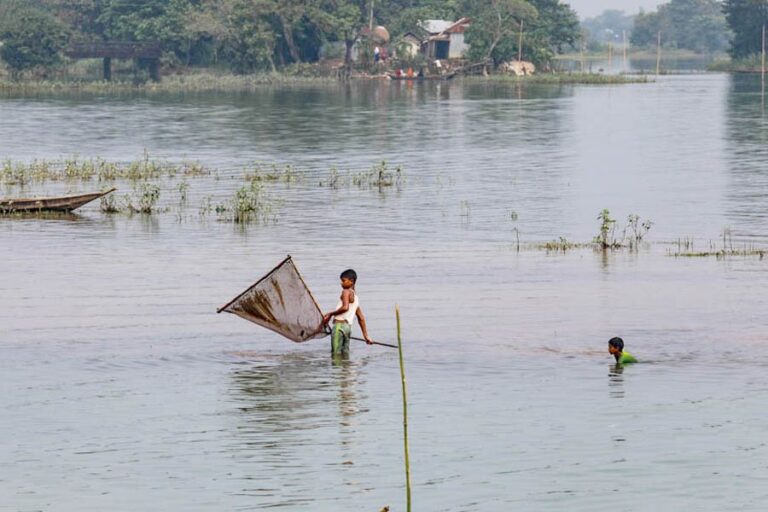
(340, 334)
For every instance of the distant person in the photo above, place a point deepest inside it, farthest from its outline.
(616, 349)
(410, 72)
(342, 318)
(376, 54)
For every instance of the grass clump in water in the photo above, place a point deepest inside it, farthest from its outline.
(686, 249)
(250, 204)
(39, 171)
(144, 200)
(565, 79)
(606, 237)
(379, 176)
(287, 174)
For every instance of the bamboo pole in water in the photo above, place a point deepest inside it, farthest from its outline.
(624, 40)
(405, 414)
(762, 68)
(610, 57)
(658, 53)
(520, 44)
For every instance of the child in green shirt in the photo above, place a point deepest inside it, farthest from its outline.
(616, 349)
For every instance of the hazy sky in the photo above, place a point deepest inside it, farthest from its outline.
(589, 8)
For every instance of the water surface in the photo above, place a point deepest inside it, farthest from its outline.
(123, 390)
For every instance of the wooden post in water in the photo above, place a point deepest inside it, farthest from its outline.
(762, 70)
(610, 57)
(520, 43)
(624, 38)
(582, 52)
(658, 53)
(405, 413)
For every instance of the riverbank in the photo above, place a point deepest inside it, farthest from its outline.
(751, 64)
(637, 53)
(206, 82)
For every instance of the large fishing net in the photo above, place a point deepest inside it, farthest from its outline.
(281, 302)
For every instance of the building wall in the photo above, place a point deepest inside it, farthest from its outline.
(458, 47)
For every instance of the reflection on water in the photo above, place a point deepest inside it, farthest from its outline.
(616, 381)
(747, 133)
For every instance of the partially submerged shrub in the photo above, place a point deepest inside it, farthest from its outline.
(250, 204)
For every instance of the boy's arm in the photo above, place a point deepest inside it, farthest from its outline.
(363, 327)
(343, 309)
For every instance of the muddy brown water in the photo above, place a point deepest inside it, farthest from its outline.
(123, 390)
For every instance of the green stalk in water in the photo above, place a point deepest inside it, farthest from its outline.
(405, 413)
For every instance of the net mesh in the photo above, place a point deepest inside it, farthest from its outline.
(281, 302)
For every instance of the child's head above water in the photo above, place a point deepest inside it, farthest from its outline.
(615, 346)
(348, 278)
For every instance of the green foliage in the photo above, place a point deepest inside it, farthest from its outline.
(547, 27)
(250, 204)
(250, 41)
(31, 38)
(556, 28)
(496, 26)
(746, 19)
(605, 237)
(265, 35)
(697, 25)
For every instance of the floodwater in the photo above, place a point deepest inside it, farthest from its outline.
(123, 390)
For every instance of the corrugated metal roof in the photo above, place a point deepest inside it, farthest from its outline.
(435, 26)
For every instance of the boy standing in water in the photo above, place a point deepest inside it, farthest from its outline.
(616, 349)
(343, 316)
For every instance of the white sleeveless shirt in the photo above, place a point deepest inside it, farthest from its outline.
(349, 315)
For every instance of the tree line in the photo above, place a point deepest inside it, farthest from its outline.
(245, 36)
(254, 35)
(703, 26)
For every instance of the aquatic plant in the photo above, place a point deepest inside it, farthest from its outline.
(74, 169)
(334, 179)
(109, 204)
(191, 82)
(144, 200)
(379, 176)
(249, 204)
(562, 79)
(605, 237)
(287, 174)
(639, 230)
(560, 245)
(686, 249)
(183, 189)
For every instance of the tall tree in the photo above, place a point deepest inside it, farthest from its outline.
(34, 39)
(496, 26)
(746, 19)
(555, 28)
(697, 25)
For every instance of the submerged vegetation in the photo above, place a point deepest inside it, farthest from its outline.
(565, 79)
(40, 171)
(250, 204)
(686, 248)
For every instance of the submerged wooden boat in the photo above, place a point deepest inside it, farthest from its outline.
(50, 204)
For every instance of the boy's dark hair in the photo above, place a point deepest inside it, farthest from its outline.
(616, 343)
(349, 274)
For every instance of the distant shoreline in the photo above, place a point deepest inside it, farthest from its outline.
(219, 82)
